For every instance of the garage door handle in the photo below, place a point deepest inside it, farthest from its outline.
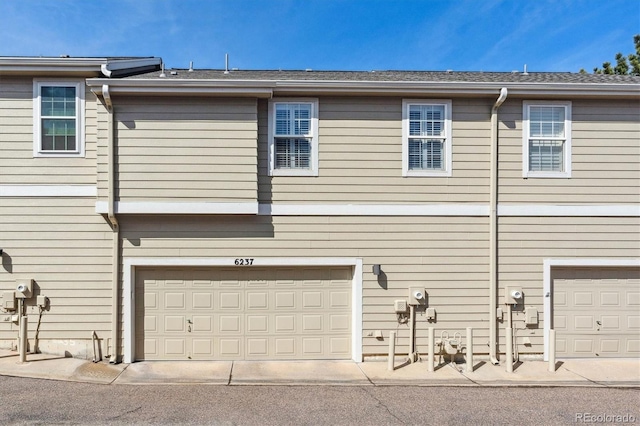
(598, 322)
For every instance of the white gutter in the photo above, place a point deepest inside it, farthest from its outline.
(115, 272)
(493, 230)
(110, 67)
(162, 88)
(22, 64)
(171, 85)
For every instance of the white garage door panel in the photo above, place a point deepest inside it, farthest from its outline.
(260, 313)
(597, 312)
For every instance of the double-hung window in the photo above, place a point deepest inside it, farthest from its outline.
(546, 144)
(58, 118)
(293, 137)
(426, 138)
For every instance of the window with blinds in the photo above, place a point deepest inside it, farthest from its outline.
(426, 138)
(58, 122)
(292, 137)
(546, 141)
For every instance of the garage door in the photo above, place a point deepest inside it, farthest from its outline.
(250, 313)
(597, 312)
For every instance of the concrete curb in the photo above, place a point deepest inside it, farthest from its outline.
(618, 373)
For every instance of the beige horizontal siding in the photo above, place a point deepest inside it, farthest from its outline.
(66, 248)
(17, 164)
(605, 157)
(448, 255)
(525, 242)
(178, 149)
(360, 156)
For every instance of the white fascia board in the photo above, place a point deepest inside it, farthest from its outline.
(489, 88)
(10, 65)
(585, 210)
(179, 87)
(10, 191)
(130, 264)
(151, 207)
(373, 210)
(282, 87)
(547, 297)
(221, 91)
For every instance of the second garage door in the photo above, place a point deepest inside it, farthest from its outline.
(597, 312)
(236, 313)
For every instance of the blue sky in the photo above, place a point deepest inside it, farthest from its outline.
(462, 35)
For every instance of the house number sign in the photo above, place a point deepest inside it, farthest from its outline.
(243, 262)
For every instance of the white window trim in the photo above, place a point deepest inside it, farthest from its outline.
(526, 173)
(447, 172)
(313, 171)
(37, 128)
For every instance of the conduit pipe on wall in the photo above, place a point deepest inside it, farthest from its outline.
(493, 231)
(111, 215)
(412, 334)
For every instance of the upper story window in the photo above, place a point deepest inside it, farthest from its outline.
(58, 111)
(293, 137)
(546, 139)
(426, 138)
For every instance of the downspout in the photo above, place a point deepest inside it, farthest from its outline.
(493, 231)
(111, 215)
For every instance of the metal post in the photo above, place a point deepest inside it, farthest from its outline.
(552, 351)
(412, 335)
(430, 357)
(509, 351)
(469, 366)
(392, 351)
(23, 332)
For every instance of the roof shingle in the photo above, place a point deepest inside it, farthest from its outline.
(394, 76)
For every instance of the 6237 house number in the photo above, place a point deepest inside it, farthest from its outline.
(243, 262)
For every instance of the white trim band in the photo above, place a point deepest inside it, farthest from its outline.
(178, 208)
(613, 210)
(129, 280)
(48, 191)
(624, 210)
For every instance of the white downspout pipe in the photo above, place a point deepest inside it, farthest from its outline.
(493, 231)
(111, 215)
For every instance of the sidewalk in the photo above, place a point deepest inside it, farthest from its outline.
(571, 372)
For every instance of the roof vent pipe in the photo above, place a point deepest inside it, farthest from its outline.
(162, 74)
(191, 66)
(226, 63)
(525, 70)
